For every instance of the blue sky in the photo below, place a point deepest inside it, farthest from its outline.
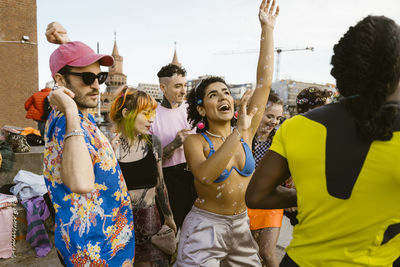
(146, 32)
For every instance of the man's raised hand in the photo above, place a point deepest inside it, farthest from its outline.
(56, 33)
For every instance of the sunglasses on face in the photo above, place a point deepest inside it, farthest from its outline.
(89, 77)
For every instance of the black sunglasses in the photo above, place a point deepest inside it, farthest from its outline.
(89, 77)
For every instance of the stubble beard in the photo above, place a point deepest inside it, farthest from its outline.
(80, 98)
(180, 99)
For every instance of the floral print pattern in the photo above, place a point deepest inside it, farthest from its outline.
(96, 228)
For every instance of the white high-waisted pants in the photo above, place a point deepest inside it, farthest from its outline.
(210, 239)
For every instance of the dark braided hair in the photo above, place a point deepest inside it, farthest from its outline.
(310, 98)
(366, 66)
(196, 98)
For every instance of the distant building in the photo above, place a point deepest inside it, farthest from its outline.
(237, 90)
(19, 60)
(191, 84)
(289, 89)
(175, 59)
(151, 89)
(116, 78)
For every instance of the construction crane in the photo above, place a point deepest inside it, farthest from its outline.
(278, 51)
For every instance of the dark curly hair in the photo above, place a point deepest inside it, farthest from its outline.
(274, 98)
(366, 66)
(171, 69)
(196, 97)
(310, 98)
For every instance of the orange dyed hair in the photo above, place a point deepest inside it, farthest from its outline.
(134, 101)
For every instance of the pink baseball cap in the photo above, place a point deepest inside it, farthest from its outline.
(76, 54)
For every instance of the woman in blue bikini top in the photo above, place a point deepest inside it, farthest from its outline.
(249, 164)
(219, 156)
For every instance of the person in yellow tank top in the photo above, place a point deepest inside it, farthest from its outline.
(344, 159)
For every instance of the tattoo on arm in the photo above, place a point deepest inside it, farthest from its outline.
(157, 148)
(170, 148)
(161, 189)
(162, 195)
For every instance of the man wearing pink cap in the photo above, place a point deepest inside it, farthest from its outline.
(93, 216)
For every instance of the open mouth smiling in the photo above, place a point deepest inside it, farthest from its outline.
(224, 107)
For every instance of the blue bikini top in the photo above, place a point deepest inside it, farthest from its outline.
(249, 165)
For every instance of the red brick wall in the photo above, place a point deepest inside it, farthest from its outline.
(18, 62)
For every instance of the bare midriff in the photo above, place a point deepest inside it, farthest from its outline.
(226, 197)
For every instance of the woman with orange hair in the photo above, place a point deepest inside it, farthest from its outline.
(139, 156)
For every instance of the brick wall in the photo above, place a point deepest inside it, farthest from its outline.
(18, 61)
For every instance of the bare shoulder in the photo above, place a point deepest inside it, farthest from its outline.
(193, 143)
(156, 141)
(157, 148)
(195, 150)
(193, 140)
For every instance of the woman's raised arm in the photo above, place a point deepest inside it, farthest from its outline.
(265, 67)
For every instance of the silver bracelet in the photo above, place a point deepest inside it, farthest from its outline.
(74, 133)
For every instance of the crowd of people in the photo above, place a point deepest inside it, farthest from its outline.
(187, 171)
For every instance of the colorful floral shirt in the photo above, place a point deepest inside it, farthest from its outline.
(93, 229)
